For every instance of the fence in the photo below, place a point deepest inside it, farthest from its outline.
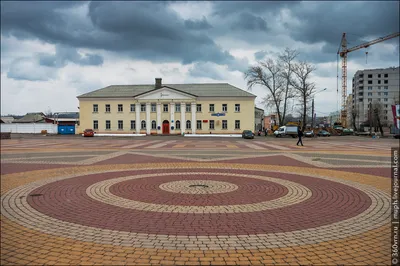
(29, 128)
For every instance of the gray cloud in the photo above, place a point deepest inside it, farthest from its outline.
(65, 54)
(207, 70)
(28, 69)
(198, 24)
(247, 21)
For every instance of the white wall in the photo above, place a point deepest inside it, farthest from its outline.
(29, 128)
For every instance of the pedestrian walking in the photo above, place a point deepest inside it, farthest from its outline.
(266, 132)
(299, 134)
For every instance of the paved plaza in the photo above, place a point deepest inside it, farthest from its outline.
(195, 201)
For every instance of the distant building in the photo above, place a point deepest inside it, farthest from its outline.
(65, 118)
(258, 119)
(7, 119)
(31, 118)
(349, 106)
(375, 86)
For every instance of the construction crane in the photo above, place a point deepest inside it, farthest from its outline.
(343, 51)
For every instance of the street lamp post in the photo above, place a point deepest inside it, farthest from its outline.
(312, 107)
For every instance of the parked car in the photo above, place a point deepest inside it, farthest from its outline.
(286, 131)
(247, 134)
(348, 131)
(323, 133)
(309, 134)
(88, 133)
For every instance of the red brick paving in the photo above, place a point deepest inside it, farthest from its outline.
(10, 168)
(385, 172)
(147, 190)
(272, 160)
(133, 158)
(330, 202)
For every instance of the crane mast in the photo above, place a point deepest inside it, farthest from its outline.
(343, 51)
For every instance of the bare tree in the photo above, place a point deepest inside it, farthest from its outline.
(377, 109)
(48, 113)
(303, 86)
(286, 60)
(268, 75)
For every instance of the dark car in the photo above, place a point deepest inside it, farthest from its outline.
(309, 134)
(88, 133)
(324, 133)
(248, 134)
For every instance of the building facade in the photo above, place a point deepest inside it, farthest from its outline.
(378, 87)
(349, 106)
(218, 108)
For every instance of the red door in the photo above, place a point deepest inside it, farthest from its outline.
(165, 128)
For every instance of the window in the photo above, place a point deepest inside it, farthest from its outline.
(386, 111)
(211, 107)
(178, 108)
(237, 124)
(224, 124)
(386, 75)
(120, 108)
(379, 87)
(369, 88)
(385, 93)
(165, 107)
(224, 107)
(95, 108)
(237, 107)
(369, 81)
(386, 87)
(108, 108)
(143, 124)
(120, 124)
(379, 75)
(385, 100)
(385, 81)
(153, 107)
(369, 93)
(385, 117)
(143, 107)
(198, 124)
(95, 124)
(108, 124)
(379, 82)
(379, 93)
(188, 124)
(198, 107)
(133, 124)
(212, 124)
(379, 99)
(133, 109)
(188, 108)
(370, 76)
(178, 123)
(386, 105)
(153, 124)
(369, 100)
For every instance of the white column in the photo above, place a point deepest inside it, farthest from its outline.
(138, 122)
(172, 124)
(159, 131)
(183, 117)
(193, 118)
(148, 121)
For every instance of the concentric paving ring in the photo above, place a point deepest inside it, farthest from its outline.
(101, 192)
(198, 187)
(15, 206)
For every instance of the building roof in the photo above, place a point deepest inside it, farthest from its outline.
(31, 118)
(72, 115)
(7, 119)
(200, 90)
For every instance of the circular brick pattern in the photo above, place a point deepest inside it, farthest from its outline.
(198, 187)
(296, 193)
(335, 210)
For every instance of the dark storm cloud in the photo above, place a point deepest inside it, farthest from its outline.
(247, 21)
(65, 54)
(228, 8)
(141, 30)
(198, 24)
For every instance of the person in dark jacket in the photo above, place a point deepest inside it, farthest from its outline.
(300, 134)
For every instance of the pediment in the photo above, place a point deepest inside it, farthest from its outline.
(165, 93)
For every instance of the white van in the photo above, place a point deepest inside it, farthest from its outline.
(286, 131)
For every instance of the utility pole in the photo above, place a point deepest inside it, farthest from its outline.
(312, 113)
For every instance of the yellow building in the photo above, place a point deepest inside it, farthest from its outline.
(218, 108)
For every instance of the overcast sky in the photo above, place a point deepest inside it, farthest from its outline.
(52, 52)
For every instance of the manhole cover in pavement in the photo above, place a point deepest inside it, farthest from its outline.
(203, 186)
